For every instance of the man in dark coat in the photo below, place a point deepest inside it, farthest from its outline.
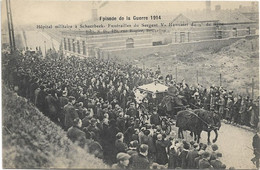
(122, 161)
(93, 128)
(204, 162)
(216, 163)
(198, 158)
(256, 146)
(161, 157)
(70, 113)
(183, 155)
(191, 157)
(75, 134)
(133, 148)
(119, 143)
(40, 103)
(131, 111)
(111, 138)
(123, 100)
(120, 122)
(63, 100)
(140, 161)
(33, 87)
(129, 133)
(155, 119)
(52, 107)
(172, 158)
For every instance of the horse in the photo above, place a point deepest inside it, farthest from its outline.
(215, 128)
(196, 121)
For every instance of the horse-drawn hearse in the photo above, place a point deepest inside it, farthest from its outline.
(171, 105)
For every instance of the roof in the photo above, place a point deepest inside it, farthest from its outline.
(154, 88)
(222, 16)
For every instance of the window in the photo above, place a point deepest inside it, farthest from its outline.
(73, 45)
(69, 44)
(84, 47)
(78, 46)
(182, 36)
(65, 44)
(129, 43)
(248, 31)
(234, 32)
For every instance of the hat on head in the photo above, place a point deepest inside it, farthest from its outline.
(143, 148)
(119, 135)
(201, 152)
(214, 147)
(159, 136)
(205, 154)
(186, 145)
(146, 132)
(93, 120)
(76, 121)
(218, 154)
(122, 156)
(71, 98)
(195, 145)
(134, 144)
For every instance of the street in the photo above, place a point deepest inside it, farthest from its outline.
(234, 143)
(37, 38)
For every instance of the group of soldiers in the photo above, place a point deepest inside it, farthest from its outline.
(93, 100)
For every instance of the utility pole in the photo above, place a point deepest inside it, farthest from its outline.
(220, 80)
(10, 26)
(197, 77)
(253, 84)
(45, 48)
(176, 74)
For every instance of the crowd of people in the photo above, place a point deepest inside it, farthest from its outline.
(94, 101)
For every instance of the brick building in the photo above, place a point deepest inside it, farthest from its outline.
(83, 43)
(205, 25)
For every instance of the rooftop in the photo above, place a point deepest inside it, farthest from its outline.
(222, 16)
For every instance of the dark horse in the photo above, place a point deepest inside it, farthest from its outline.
(196, 121)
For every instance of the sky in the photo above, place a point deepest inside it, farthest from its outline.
(72, 12)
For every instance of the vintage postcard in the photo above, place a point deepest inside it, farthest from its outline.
(130, 84)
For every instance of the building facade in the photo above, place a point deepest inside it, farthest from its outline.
(211, 25)
(82, 43)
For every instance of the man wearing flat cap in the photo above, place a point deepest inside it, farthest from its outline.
(216, 163)
(192, 154)
(204, 162)
(75, 134)
(70, 113)
(122, 161)
(140, 161)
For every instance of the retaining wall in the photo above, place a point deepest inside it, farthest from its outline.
(177, 47)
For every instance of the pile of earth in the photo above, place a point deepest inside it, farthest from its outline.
(31, 140)
(237, 63)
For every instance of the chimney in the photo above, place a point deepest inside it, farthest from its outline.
(208, 6)
(94, 15)
(217, 7)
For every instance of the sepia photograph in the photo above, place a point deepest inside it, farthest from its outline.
(130, 84)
